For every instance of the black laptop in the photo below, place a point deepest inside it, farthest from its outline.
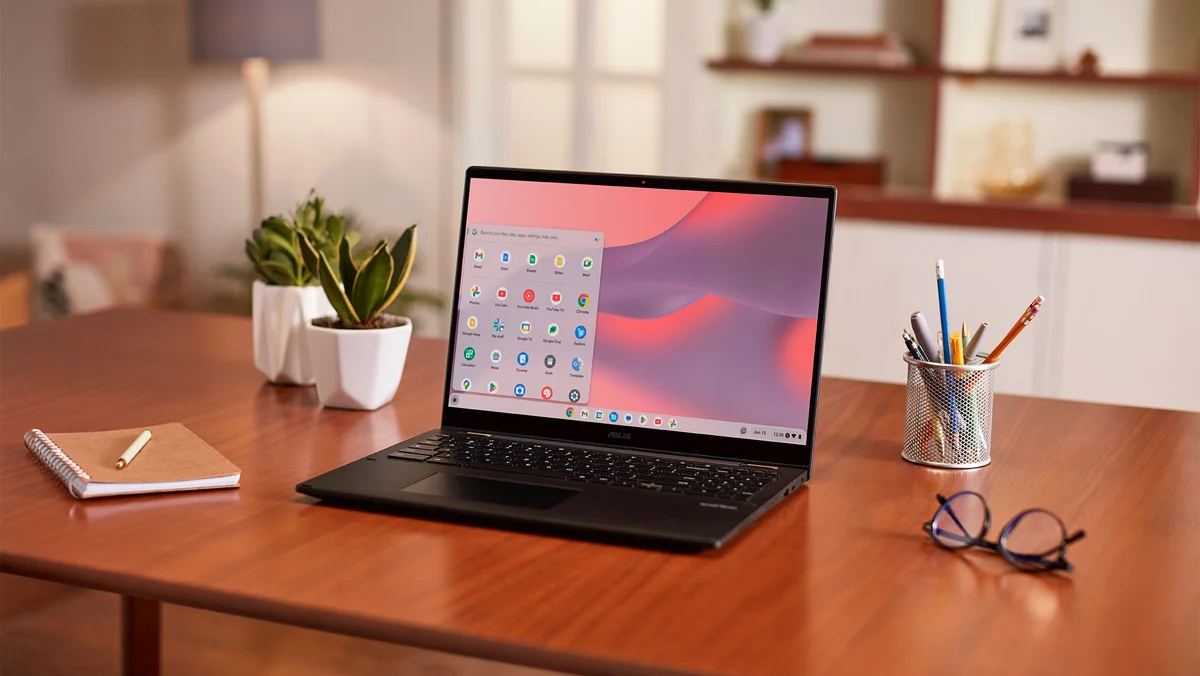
(632, 359)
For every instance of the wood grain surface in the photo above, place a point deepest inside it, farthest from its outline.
(838, 579)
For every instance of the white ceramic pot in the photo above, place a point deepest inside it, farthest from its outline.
(764, 38)
(281, 315)
(359, 368)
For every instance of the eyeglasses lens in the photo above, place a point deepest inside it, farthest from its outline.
(1032, 538)
(960, 521)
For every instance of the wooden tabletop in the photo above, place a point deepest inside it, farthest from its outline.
(838, 579)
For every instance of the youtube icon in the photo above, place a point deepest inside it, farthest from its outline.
(528, 296)
(556, 298)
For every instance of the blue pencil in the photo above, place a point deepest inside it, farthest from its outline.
(941, 282)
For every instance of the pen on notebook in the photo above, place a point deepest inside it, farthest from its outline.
(1026, 317)
(924, 337)
(134, 448)
(973, 346)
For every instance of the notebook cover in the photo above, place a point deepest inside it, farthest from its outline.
(173, 453)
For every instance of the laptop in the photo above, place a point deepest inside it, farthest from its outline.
(633, 359)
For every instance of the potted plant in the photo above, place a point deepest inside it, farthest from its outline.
(764, 38)
(358, 353)
(285, 295)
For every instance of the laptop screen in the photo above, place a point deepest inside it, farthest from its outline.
(681, 310)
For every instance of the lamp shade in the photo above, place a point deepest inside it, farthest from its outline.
(235, 30)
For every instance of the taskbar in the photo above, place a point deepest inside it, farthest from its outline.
(584, 413)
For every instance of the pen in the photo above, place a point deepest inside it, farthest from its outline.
(131, 452)
(924, 337)
(913, 347)
(956, 353)
(1030, 312)
(972, 346)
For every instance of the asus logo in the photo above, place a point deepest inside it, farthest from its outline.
(620, 435)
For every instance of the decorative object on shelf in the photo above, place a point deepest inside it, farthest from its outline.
(285, 296)
(1009, 172)
(1088, 64)
(358, 354)
(1150, 190)
(878, 50)
(765, 32)
(970, 26)
(1118, 162)
(1029, 35)
(833, 171)
(783, 134)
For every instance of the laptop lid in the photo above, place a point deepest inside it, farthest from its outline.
(669, 314)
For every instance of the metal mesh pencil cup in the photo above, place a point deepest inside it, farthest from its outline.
(948, 414)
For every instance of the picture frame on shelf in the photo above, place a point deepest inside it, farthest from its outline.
(1029, 36)
(782, 134)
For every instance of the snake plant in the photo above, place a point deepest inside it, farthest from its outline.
(366, 289)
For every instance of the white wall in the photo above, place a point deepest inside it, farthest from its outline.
(106, 125)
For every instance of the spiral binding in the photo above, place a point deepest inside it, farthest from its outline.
(53, 457)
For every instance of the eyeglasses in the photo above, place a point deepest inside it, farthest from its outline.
(1034, 540)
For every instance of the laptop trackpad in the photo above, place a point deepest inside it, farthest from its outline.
(510, 493)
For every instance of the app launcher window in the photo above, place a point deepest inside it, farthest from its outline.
(527, 318)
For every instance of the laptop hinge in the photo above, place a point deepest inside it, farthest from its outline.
(479, 434)
(751, 464)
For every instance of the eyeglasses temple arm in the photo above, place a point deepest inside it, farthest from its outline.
(1077, 535)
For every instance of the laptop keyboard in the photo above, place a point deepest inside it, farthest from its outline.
(728, 482)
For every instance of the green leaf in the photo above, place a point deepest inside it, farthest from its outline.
(370, 289)
(275, 224)
(403, 255)
(252, 251)
(335, 228)
(349, 269)
(309, 254)
(352, 237)
(277, 241)
(305, 216)
(277, 273)
(260, 239)
(318, 205)
(337, 297)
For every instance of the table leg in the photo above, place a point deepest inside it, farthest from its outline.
(140, 640)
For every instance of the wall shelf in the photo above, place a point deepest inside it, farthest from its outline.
(784, 68)
(917, 127)
(1171, 79)
(917, 206)
(1165, 78)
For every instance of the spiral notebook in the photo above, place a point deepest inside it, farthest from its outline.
(175, 459)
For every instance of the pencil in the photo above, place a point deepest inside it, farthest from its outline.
(1026, 317)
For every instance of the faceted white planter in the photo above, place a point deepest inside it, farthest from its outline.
(359, 368)
(764, 38)
(281, 315)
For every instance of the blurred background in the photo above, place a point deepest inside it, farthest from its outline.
(1038, 146)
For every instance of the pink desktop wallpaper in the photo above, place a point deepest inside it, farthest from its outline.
(708, 301)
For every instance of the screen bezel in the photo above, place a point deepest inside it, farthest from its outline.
(615, 434)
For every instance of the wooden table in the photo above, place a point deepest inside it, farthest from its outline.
(838, 579)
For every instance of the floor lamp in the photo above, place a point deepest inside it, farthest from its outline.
(255, 33)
